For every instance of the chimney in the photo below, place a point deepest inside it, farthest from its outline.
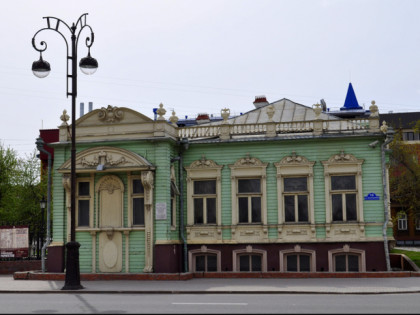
(90, 106)
(82, 109)
(260, 101)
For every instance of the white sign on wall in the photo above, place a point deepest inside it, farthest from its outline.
(161, 211)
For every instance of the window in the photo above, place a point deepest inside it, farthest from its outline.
(346, 259)
(250, 263)
(83, 203)
(408, 136)
(204, 260)
(346, 262)
(298, 262)
(205, 263)
(343, 198)
(249, 200)
(417, 222)
(295, 190)
(402, 221)
(343, 187)
(295, 196)
(137, 197)
(248, 191)
(249, 260)
(204, 198)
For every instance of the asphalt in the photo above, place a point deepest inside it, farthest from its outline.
(393, 285)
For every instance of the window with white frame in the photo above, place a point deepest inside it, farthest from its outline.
(84, 206)
(343, 188)
(417, 222)
(297, 260)
(402, 221)
(249, 200)
(248, 188)
(347, 259)
(204, 199)
(137, 201)
(343, 198)
(295, 189)
(204, 260)
(295, 198)
(203, 193)
(346, 262)
(249, 260)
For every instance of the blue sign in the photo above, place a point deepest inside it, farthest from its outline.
(372, 196)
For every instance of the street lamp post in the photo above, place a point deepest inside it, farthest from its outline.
(41, 69)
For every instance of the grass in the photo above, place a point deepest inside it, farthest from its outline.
(414, 256)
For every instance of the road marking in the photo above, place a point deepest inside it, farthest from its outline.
(187, 303)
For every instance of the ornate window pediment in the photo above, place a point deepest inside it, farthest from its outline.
(107, 158)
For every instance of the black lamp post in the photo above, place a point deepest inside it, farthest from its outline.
(41, 69)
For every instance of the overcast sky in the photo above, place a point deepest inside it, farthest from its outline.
(201, 56)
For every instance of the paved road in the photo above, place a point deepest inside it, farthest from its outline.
(214, 286)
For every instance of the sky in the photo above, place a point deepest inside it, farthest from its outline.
(199, 56)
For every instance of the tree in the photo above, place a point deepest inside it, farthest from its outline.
(21, 187)
(405, 174)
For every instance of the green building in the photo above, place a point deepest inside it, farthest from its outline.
(282, 187)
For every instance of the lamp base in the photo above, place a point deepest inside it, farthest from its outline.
(72, 281)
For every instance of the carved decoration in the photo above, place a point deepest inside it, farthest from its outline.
(373, 110)
(225, 114)
(110, 183)
(270, 112)
(384, 127)
(203, 163)
(343, 158)
(66, 183)
(110, 114)
(174, 119)
(147, 180)
(110, 157)
(293, 159)
(161, 112)
(64, 118)
(103, 158)
(248, 161)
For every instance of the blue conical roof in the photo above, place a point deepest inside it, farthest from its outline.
(351, 100)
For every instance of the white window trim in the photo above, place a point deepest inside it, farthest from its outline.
(90, 198)
(295, 166)
(347, 250)
(340, 165)
(297, 250)
(203, 170)
(202, 251)
(249, 250)
(244, 168)
(130, 194)
(402, 221)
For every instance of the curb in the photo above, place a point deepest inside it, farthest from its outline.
(38, 275)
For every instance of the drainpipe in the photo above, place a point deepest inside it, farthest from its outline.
(184, 143)
(389, 138)
(40, 145)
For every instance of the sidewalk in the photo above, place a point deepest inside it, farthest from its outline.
(388, 285)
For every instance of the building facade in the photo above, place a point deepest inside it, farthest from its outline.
(284, 187)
